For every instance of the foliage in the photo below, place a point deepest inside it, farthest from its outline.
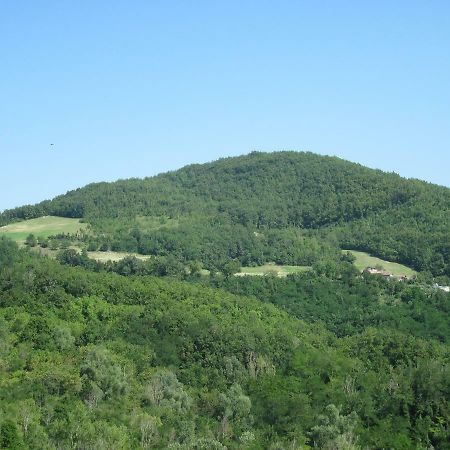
(99, 360)
(150, 353)
(288, 208)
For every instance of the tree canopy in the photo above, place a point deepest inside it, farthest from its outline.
(262, 207)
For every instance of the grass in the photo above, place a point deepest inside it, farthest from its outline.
(364, 260)
(270, 268)
(114, 256)
(98, 256)
(51, 225)
(41, 227)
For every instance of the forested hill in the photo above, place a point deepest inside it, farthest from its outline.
(398, 219)
(265, 189)
(324, 358)
(102, 361)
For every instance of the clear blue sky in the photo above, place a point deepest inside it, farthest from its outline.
(133, 88)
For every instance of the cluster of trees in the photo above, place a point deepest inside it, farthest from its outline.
(215, 244)
(346, 304)
(417, 235)
(106, 355)
(96, 360)
(252, 208)
(56, 242)
(160, 266)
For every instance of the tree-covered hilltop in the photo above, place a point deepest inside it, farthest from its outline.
(102, 361)
(255, 208)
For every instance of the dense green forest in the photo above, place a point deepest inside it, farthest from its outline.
(287, 207)
(97, 360)
(159, 353)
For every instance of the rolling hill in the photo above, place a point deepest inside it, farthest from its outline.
(284, 207)
(172, 351)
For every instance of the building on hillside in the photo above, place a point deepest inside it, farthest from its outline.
(385, 274)
(375, 271)
(442, 288)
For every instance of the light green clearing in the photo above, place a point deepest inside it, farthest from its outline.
(98, 256)
(364, 260)
(41, 227)
(270, 268)
(114, 256)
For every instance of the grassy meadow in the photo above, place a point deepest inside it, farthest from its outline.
(274, 269)
(364, 260)
(41, 227)
(114, 256)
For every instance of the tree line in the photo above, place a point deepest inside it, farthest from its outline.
(258, 207)
(97, 360)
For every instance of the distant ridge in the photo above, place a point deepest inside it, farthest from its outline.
(365, 209)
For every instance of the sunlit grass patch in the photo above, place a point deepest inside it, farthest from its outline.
(114, 256)
(41, 227)
(277, 270)
(364, 260)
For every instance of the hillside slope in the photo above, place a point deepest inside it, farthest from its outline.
(100, 361)
(233, 198)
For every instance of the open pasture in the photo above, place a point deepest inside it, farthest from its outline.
(274, 269)
(364, 260)
(41, 227)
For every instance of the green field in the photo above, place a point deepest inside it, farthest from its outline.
(41, 227)
(98, 256)
(364, 260)
(266, 269)
(114, 256)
